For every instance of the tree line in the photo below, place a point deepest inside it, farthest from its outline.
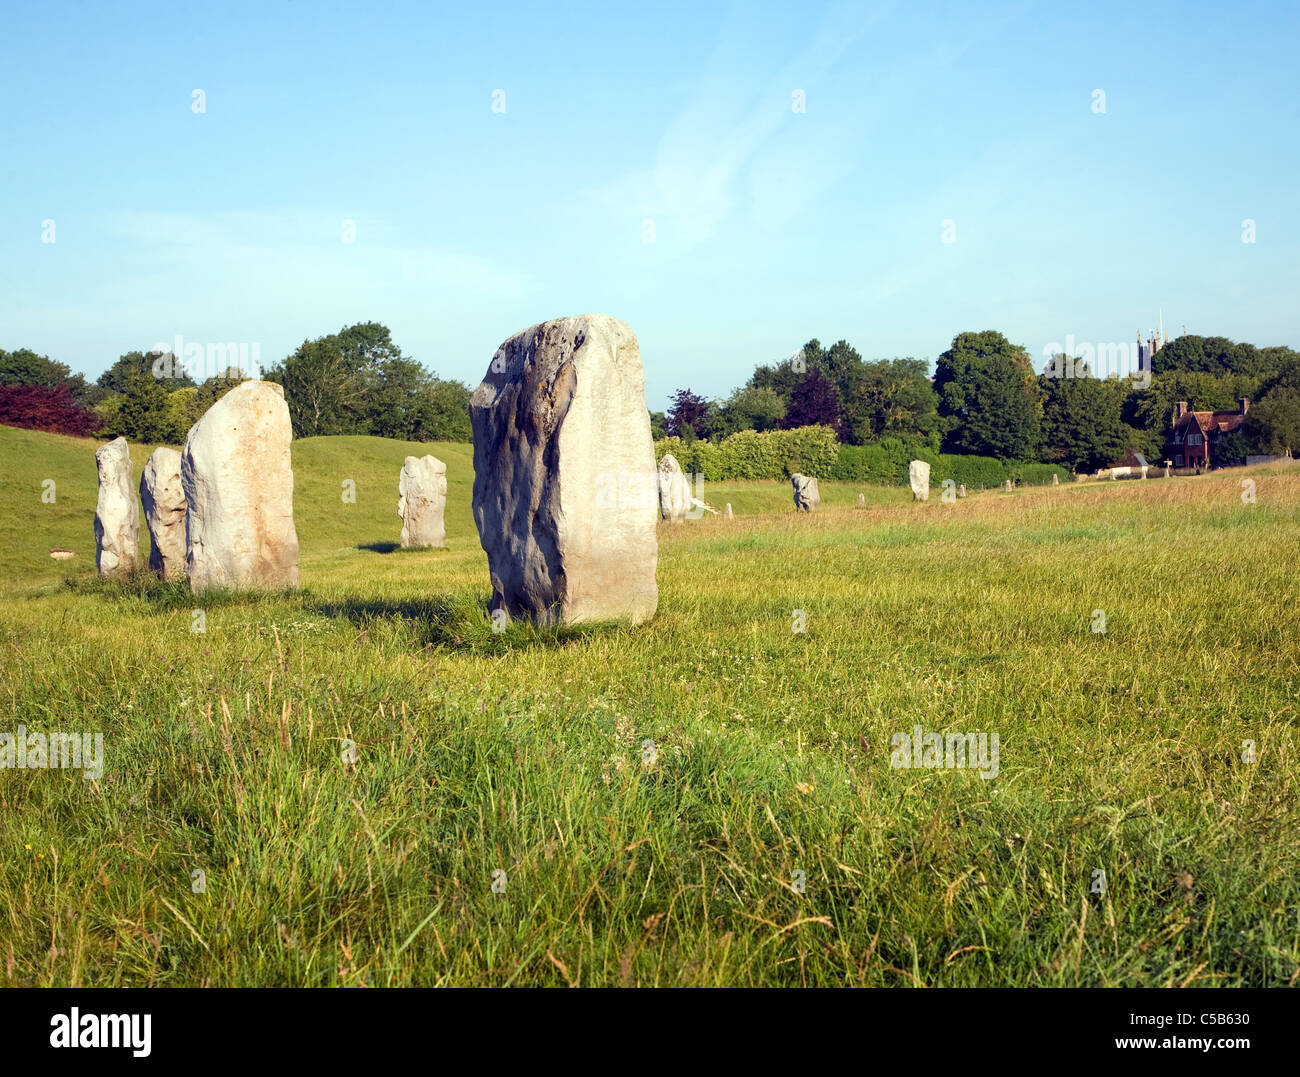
(355, 381)
(986, 399)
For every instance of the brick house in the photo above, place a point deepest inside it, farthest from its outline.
(1196, 435)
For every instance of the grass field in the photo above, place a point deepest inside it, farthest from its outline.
(478, 753)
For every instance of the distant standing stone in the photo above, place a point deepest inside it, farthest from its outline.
(564, 474)
(807, 497)
(117, 512)
(1056, 479)
(238, 480)
(727, 514)
(674, 497)
(1010, 486)
(163, 497)
(918, 475)
(422, 487)
(862, 501)
(961, 490)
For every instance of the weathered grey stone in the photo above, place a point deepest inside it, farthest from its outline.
(674, 495)
(1056, 479)
(918, 476)
(1010, 486)
(238, 479)
(727, 514)
(163, 497)
(807, 497)
(117, 512)
(564, 474)
(961, 490)
(862, 501)
(423, 489)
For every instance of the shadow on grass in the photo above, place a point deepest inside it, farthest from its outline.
(457, 623)
(163, 595)
(395, 547)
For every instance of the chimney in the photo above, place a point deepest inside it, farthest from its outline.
(1245, 404)
(1182, 408)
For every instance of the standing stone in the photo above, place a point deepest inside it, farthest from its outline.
(1167, 466)
(862, 501)
(564, 474)
(163, 498)
(1056, 479)
(1010, 486)
(807, 497)
(918, 475)
(238, 481)
(423, 489)
(117, 512)
(1145, 468)
(727, 513)
(961, 490)
(674, 497)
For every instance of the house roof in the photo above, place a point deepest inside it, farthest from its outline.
(1209, 421)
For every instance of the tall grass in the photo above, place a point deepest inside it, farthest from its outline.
(522, 752)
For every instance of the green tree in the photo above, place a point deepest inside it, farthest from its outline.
(1082, 424)
(892, 398)
(748, 408)
(989, 399)
(1273, 425)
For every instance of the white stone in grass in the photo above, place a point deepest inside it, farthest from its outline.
(238, 480)
(674, 495)
(117, 512)
(559, 417)
(918, 477)
(423, 489)
(163, 497)
(807, 498)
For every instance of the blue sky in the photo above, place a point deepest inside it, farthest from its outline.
(770, 226)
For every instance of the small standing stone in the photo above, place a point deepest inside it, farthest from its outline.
(807, 497)
(727, 514)
(1056, 479)
(1010, 486)
(117, 512)
(674, 498)
(961, 490)
(423, 489)
(862, 501)
(918, 476)
(163, 497)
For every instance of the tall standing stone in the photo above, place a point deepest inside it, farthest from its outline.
(422, 487)
(807, 498)
(163, 497)
(117, 512)
(918, 476)
(674, 496)
(564, 474)
(238, 480)
(727, 514)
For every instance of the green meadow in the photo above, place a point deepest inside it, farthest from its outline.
(361, 783)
